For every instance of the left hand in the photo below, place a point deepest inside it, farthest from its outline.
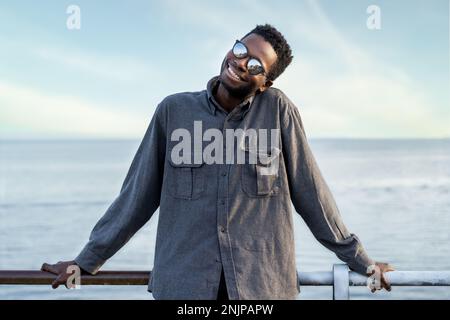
(378, 271)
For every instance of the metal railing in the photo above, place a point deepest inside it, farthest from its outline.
(340, 278)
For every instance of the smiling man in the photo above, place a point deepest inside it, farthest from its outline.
(225, 229)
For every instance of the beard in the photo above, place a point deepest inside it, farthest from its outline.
(240, 92)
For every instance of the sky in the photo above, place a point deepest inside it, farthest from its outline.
(105, 79)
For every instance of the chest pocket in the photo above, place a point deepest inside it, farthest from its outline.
(186, 181)
(262, 178)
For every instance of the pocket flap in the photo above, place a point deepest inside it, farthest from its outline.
(188, 164)
(264, 157)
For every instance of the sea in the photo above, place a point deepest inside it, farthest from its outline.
(393, 193)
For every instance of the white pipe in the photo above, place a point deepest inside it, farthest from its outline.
(341, 281)
(396, 278)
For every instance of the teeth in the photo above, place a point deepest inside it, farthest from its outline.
(233, 74)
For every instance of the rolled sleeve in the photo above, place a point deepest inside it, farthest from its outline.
(312, 197)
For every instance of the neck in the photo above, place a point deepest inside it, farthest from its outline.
(227, 101)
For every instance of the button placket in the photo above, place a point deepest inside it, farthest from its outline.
(222, 215)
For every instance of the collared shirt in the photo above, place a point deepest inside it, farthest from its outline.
(228, 216)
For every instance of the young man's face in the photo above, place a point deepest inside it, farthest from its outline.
(249, 84)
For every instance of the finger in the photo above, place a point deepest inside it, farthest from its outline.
(61, 279)
(44, 266)
(55, 283)
(371, 273)
(49, 268)
(385, 267)
(389, 268)
(387, 286)
(385, 283)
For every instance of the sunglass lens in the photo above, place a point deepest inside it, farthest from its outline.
(254, 67)
(239, 50)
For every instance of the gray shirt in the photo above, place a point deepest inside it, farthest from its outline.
(230, 216)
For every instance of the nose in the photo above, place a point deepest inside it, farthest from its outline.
(240, 64)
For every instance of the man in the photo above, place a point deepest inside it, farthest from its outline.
(225, 228)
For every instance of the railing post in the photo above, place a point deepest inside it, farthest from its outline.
(340, 282)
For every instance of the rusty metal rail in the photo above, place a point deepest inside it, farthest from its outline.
(114, 278)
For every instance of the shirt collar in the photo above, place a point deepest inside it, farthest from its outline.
(213, 104)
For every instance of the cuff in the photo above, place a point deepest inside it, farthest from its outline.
(361, 263)
(89, 261)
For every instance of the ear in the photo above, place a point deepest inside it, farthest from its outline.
(265, 86)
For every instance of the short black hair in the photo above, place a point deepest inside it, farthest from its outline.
(279, 45)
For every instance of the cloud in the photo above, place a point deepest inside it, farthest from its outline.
(120, 68)
(369, 105)
(347, 91)
(26, 110)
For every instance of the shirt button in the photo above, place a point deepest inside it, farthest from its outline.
(224, 174)
(222, 229)
(222, 201)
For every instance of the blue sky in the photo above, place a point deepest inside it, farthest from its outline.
(105, 80)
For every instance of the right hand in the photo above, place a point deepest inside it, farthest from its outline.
(379, 270)
(60, 269)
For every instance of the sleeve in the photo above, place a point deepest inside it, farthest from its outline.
(138, 199)
(312, 197)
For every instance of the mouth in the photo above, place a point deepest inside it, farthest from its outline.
(233, 74)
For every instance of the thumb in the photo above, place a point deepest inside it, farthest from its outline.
(389, 268)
